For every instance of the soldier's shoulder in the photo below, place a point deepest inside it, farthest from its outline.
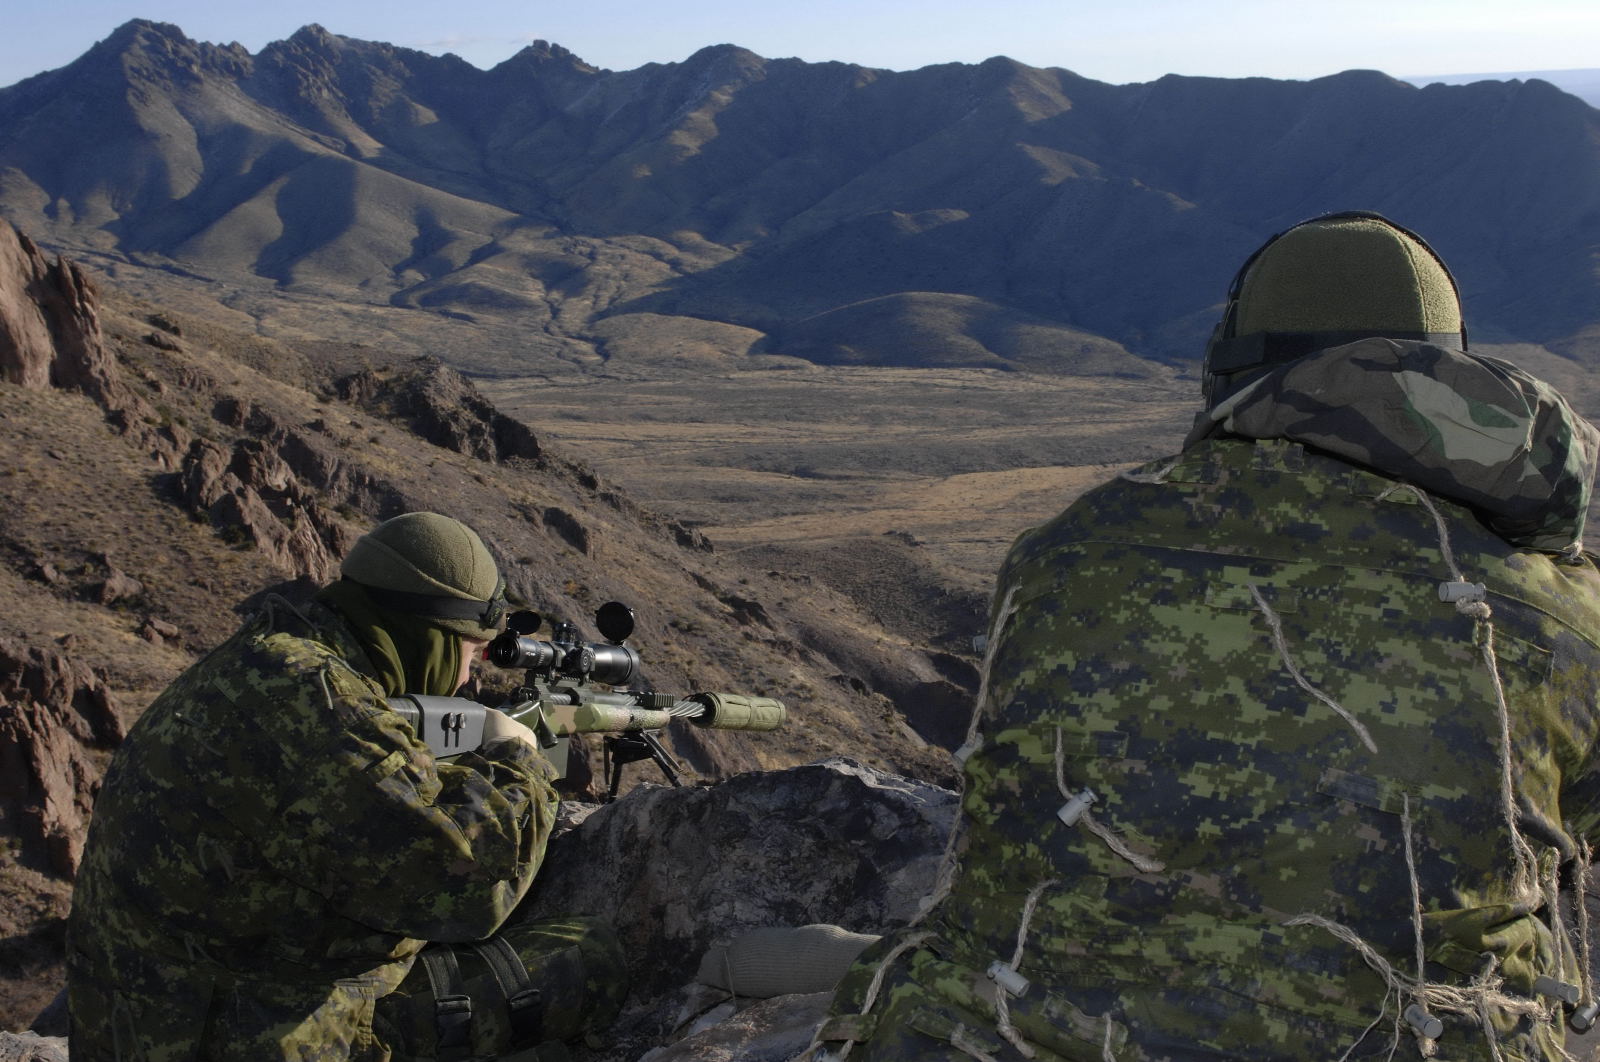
(275, 663)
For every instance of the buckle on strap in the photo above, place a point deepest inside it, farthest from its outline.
(452, 1007)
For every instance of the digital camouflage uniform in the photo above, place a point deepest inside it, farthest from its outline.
(1243, 654)
(272, 846)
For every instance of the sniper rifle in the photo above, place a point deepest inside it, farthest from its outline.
(572, 687)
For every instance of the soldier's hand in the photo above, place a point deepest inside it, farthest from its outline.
(497, 725)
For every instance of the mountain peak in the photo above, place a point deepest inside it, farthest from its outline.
(313, 36)
(137, 30)
(141, 35)
(158, 50)
(542, 53)
(728, 61)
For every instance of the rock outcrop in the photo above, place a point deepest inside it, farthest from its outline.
(253, 492)
(440, 405)
(52, 713)
(50, 322)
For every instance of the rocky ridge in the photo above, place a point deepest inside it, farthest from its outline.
(749, 210)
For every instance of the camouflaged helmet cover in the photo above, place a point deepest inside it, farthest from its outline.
(430, 555)
(1347, 273)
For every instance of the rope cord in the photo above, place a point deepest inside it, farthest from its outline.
(1425, 1043)
(1582, 890)
(1484, 992)
(1142, 863)
(1416, 886)
(1524, 852)
(1479, 611)
(870, 999)
(1559, 932)
(1282, 644)
(1440, 997)
(944, 880)
(1002, 1010)
(1159, 476)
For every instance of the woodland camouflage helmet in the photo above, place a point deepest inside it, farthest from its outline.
(1328, 281)
(432, 567)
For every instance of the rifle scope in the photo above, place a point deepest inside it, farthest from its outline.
(565, 655)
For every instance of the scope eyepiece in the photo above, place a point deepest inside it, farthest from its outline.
(511, 650)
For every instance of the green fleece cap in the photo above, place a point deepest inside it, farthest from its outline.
(432, 567)
(1347, 273)
(1329, 281)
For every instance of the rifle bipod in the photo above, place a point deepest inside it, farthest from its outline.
(623, 749)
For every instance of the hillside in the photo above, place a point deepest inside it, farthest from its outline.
(164, 472)
(747, 210)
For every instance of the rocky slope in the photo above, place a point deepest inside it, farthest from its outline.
(163, 473)
(736, 207)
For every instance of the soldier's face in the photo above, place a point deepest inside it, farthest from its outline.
(471, 649)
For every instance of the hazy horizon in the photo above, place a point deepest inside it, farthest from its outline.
(1139, 40)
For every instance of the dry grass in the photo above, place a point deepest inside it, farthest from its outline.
(960, 460)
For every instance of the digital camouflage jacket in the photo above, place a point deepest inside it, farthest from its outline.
(272, 846)
(1278, 755)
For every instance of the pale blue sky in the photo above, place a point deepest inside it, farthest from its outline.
(1110, 40)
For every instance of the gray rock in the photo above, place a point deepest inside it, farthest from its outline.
(772, 1030)
(28, 1047)
(679, 870)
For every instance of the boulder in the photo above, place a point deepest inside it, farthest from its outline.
(29, 1047)
(678, 870)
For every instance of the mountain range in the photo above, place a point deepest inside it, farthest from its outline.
(743, 209)
(1582, 83)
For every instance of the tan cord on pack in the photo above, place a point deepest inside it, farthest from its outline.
(1002, 1011)
(1484, 990)
(1144, 864)
(873, 988)
(1559, 933)
(1416, 911)
(1526, 874)
(944, 880)
(1157, 477)
(1525, 885)
(991, 647)
(1475, 999)
(1141, 863)
(1282, 644)
(1394, 1041)
(1581, 886)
